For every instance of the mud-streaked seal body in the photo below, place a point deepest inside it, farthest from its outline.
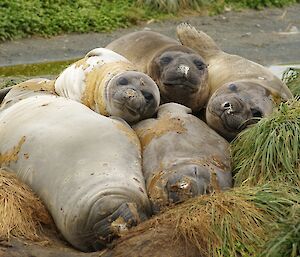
(110, 85)
(241, 90)
(85, 167)
(179, 72)
(182, 156)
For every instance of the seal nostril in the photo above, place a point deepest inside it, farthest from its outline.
(123, 81)
(226, 105)
(148, 96)
(195, 171)
(256, 113)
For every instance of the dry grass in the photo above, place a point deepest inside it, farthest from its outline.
(21, 212)
(233, 223)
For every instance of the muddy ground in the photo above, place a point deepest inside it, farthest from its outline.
(270, 36)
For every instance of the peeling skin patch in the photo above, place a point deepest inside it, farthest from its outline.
(119, 226)
(129, 133)
(212, 160)
(82, 63)
(161, 127)
(156, 192)
(43, 85)
(12, 155)
(97, 85)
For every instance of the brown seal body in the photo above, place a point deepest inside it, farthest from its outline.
(179, 72)
(182, 156)
(85, 167)
(242, 91)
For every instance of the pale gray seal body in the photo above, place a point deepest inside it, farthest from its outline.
(110, 85)
(85, 167)
(182, 156)
(241, 90)
(179, 72)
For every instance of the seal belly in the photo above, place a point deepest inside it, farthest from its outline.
(85, 167)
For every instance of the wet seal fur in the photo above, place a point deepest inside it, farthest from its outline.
(85, 167)
(182, 156)
(110, 85)
(179, 71)
(242, 91)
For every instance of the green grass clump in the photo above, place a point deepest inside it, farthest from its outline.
(21, 18)
(292, 78)
(259, 4)
(177, 5)
(24, 18)
(214, 6)
(286, 243)
(270, 149)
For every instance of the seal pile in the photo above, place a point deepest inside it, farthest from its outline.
(115, 137)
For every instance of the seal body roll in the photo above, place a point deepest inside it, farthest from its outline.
(182, 156)
(110, 85)
(180, 73)
(85, 167)
(241, 91)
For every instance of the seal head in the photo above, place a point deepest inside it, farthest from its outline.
(236, 105)
(132, 96)
(181, 75)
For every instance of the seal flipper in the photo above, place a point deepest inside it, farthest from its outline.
(126, 216)
(198, 40)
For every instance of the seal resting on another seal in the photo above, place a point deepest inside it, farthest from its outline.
(179, 71)
(85, 167)
(182, 156)
(109, 84)
(242, 91)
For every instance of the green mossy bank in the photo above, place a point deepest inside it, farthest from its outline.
(24, 18)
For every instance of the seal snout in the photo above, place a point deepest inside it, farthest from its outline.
(180, 184)
(125, 216)
(183, 70)
(188, 182)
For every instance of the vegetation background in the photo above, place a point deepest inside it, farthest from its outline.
(25, 18)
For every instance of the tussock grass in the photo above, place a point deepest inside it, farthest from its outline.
(292, 78)
(270, 149)
(286, 243)
(233, 223)
(21, 212)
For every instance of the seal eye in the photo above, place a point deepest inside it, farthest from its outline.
(148, 96)
(199, 64)
(165, 59)
(256, 113)
(123, 81)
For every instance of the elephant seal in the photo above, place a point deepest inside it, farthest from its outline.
(182, 156)
(85, 167)
(179, 71)
(3, 93)
(242, 91)
(109, 84)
